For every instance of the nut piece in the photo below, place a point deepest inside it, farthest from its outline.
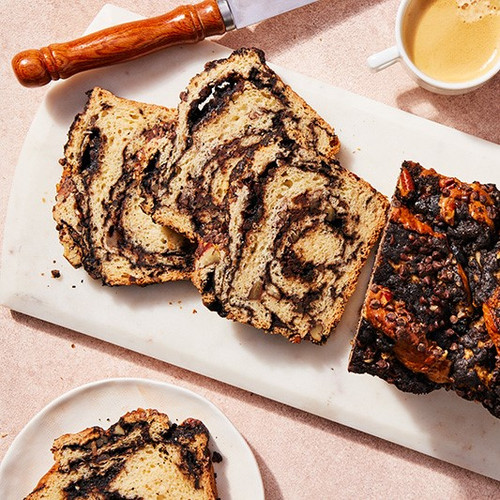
(209, 255)
(405, 183)
(273, 291)
(316, 332)
(118, 430)
(256, 291)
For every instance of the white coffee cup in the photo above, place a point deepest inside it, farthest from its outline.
(387, 57)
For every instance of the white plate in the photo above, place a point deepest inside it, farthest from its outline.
(159, 320)
(102, 404)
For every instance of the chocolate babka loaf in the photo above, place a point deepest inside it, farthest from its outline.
(431, 317)
(282, 229)
(142, 456)
(100, 222)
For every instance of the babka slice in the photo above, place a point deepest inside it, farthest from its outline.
(226, 112)
(297, 234)
(97, 210)
(142, 456)
(431, 316)
(282, 230)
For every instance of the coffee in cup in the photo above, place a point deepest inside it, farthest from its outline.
(452, 40)
(447, 46)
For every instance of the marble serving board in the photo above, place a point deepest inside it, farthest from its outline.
(169, 322)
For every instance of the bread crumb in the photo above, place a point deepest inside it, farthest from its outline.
(56, 273)
(195, 311)
(3, 435)
(73, 346)
(216, 457)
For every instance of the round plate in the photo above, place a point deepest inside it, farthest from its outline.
(102, 404)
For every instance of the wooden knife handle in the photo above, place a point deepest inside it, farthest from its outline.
(185, 24)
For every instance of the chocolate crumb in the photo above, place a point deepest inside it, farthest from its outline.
(216, 457)
(195, 311)
(73, 346)
(56, 273)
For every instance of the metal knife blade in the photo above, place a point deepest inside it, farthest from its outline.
(240, 13)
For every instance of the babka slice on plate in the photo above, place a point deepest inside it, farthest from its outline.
(100, 222)
(142, 456)
(431, 315)
(282, 229)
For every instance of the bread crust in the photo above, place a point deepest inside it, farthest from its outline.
(430, 317)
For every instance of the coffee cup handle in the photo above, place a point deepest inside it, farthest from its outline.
(383, 59)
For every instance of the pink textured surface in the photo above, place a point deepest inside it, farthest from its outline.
(300, 456)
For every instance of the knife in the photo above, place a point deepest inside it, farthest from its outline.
(185, 24)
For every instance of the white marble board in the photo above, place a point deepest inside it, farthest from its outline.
(160, 321)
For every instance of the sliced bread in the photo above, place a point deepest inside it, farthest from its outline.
(228, 111)
(282, 230)
(142, 456)
(97, 210)
(297, 233)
